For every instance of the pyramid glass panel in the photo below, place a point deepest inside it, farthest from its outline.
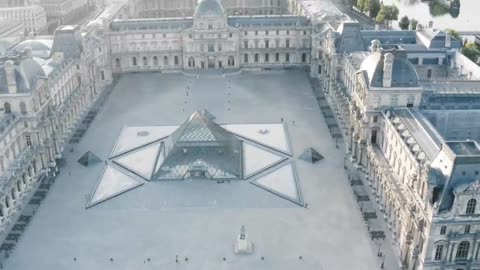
(112, 182)
(200, 148)
(258, 159)
(282, 182)
(140, 161)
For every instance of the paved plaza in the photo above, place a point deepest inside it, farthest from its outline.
(198, 221)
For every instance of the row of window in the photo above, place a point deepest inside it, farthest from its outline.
(266, 33)
(393, 101)
(8, 108)
(462, 251)
(266, 57)
(166, 61)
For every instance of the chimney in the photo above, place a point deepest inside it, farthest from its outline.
(375, 47)
(448, 40)
(387, 69)
(57, 57)
(10, 76)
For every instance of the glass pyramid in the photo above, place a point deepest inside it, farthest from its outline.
(200, 148)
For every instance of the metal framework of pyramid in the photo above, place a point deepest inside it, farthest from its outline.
(200, 148)
(311, 155)
(89, 159)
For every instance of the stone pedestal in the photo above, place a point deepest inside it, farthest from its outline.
(242, 245)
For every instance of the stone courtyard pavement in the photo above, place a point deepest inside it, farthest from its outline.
(148, 227)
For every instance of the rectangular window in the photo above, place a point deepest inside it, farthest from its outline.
(28, 139)
(304, 57)
(376, 102)
(256, 33)
(230, 35)
(176, 59)
(220, 47)
(211, 47)
(429, 73)
(266, 33)
(277, 57)
(245, 58)
(467, 229)
(410, 101)
(287, 57)
(134, 61)
(438, 253)
(267, 58)
(287, 43)
(394, 101)
(102, 74)
(245, 44)
(256, 58)
(443, 230)
(319, 69)
(375, 119)
(267, 44)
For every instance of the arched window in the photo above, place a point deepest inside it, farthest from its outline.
(145, 61)
(245, 58)
(23, 108)
(7, 107)
(134, 61)
(472, 203)
(256, 58)
(155, 61)
(191, 62)
(117, 62)
(165, 60)
(462, 249)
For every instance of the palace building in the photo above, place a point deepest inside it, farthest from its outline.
(407, 102)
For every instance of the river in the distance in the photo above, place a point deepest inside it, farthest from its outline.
(465, 19)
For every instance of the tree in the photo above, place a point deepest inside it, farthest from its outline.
(454, 33)
(374, 8)
(413, 24)
(404, 23)
(387, 13)
(363, 5)
(471, 51)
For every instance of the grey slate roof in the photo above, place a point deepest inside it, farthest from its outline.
(68, 41)
(27, 73)
(350, 39)
(151, 24)
(267, 21)
(403, 75)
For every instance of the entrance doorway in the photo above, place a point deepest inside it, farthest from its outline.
(202, 64)
(211, 62)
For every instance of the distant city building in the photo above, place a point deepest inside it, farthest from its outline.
(11, 30)
(33, 17)
(64, 11)
(186, 8)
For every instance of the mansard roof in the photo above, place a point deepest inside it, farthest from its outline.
(403, 73)
(27, 73)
